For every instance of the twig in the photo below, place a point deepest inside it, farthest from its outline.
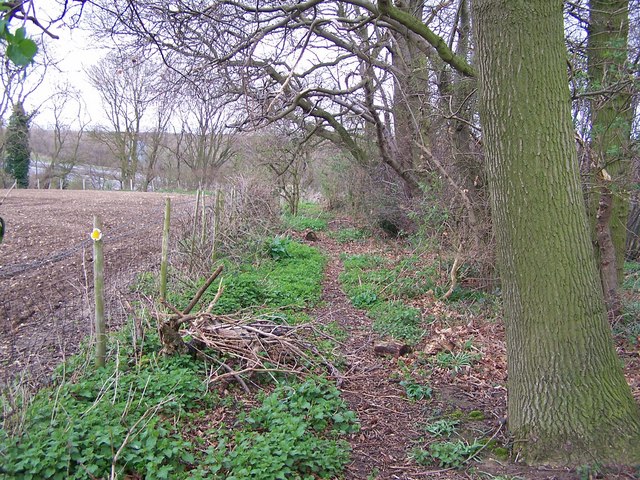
(454, 273)
(153, 409)
(216, 298)
(203, 289)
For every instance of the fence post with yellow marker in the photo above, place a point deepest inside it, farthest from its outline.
(98, 287)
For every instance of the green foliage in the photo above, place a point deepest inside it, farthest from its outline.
(632, 277)
(346, 235)
(274, 283)
(361, 262)
(411, 278)
(293, 434)
(146, 283)
(277, 247)
(295, 281)
(476, 415)
(374, 284)
(364, 299)
(629, 325)
(460, 294)
(311, 209)
(19, 49)
(455, 361)
(446, 454)
(73, 431)
(588, 472)
(406, 279)
(300, 223)
(416, 391)
(444, 427)
(246, 289)
(16, 148)
(432, 218)
(398, 321)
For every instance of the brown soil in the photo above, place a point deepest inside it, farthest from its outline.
(46, 269)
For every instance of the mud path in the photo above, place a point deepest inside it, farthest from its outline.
(389, 421)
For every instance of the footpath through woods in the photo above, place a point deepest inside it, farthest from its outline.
(460, 363)
(392, 425)
(388, 425)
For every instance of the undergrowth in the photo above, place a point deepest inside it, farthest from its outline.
(274, 282)
(379, 286)
(310, 217)
(119, 419)
(135, 417)
(295, 433)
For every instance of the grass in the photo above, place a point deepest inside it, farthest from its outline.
(631, 277)
(449, 454)
(348, 235)
(273, 283)
(405, 279)
(310, 217)
(397, 320)
(380, 286)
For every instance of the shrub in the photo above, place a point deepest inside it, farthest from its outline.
(74, 431)
(446, 454)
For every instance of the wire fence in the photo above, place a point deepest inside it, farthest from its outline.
(46, 283)
(46, 265)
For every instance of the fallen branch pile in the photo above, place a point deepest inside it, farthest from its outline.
(241, 345)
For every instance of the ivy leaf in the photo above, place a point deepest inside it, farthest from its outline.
(21, 34)
(22, 52)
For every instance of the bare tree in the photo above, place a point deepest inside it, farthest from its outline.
(62, 153)
(286, 152)
(327, 66)
(128, 88)
(203, 143)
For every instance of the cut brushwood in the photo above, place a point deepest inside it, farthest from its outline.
(241, 344)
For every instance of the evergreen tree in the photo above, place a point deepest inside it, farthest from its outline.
(17, 150)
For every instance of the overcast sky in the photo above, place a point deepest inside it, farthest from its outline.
(74, 51)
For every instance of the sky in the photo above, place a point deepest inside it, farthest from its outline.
(74, 51)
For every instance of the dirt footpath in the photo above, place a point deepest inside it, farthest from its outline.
(46, 268)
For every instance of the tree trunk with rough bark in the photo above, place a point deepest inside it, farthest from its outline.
(611, 118)
(569, 403)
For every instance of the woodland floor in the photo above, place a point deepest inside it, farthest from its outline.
(391, 424)
(42, 225)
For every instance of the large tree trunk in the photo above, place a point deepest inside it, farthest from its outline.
(611, 118)
(568, 402)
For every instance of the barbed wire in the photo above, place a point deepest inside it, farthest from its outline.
(11, 270)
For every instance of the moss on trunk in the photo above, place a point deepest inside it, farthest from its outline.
(569, 402)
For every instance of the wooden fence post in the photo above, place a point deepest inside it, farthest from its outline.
(203, 235)
(217, 211)
(165, 249)
(98, 287)
(194, 231)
